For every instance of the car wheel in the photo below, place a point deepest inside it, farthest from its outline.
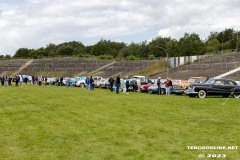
(236, 95)
(100, 86)
(162, 91)
(81, 85)
(150, 91)
(202, 94)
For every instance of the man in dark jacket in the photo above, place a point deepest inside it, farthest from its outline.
(118, 83)
(111, 81)
(159, 86)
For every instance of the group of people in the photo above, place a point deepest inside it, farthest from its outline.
(118, 83)
(90, 85)
(7, 80)
(19, 80)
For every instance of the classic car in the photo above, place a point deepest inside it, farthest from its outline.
(78, 81)
(223, 87)
(176, 89)
(144, 87)
(193, 80)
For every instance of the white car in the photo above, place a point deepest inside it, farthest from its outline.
(81, 83)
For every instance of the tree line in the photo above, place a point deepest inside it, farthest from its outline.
(188, 45)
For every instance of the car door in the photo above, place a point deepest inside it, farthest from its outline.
(218, 87)
(230, 86)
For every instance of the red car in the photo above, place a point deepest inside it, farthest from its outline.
(144, 88)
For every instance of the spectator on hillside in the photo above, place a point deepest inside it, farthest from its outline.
(159, 91)
(118, 83)
(111, 82)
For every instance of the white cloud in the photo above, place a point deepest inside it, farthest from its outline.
(36, 23)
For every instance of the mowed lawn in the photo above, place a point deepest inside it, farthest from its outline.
(51, 123)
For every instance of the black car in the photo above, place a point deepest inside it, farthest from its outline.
(222, 87)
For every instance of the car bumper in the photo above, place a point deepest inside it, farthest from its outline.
(190, 92)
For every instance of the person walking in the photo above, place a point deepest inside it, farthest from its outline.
(118, 83)
(159, 91)
(111, 82)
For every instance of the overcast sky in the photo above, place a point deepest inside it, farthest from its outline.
(35, 23)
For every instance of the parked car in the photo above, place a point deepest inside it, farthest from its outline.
(74, 81)
(193, 80)
(223, 87)
(176, 89)
(144, 87)
(81, 82)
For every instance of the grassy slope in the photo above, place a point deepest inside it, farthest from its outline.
(59, 123)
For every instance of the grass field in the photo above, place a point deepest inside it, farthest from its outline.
(51, 123)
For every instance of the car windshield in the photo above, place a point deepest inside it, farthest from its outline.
(192, 80)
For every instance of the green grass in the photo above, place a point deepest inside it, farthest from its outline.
(51, 123)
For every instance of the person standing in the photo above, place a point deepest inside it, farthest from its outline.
(3, 80)
(127, 85)
(20, 80)
(9, 81)
(170, 86)
(39, 80)
(17, 81)
(167, 85)
(159, 91)
(87, 81)
(111, 82)
(45, 81)
(91, 83)
(68, 82)
(30, 80)
(118, 83)
(61, 81)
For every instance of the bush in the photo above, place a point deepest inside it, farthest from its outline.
(106, 56)
(131, 57)
(151, 57)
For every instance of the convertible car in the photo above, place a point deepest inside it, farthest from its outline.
(223, 87)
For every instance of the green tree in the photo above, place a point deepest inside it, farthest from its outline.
(191, 44)
(212, 45)
(65, 51)
(105, 47)
(22, 52)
